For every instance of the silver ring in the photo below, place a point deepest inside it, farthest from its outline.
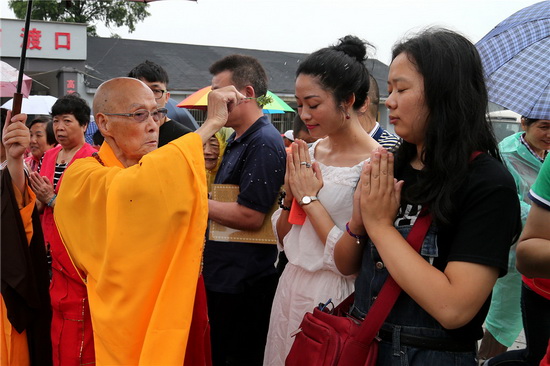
(308, 165)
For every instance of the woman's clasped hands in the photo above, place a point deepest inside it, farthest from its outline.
(303, 178)
(42, 187)
(380, 192)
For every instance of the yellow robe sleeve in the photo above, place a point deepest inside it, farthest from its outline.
(14, 347)
(137, 235)
(26, 201)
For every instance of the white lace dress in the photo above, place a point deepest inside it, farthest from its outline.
(311, 277)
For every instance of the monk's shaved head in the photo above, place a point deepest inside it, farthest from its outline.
(115, 102)
(111, 94)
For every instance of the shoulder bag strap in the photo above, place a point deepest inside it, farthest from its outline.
(390, 291)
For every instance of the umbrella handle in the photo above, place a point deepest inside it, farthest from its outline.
(16, 105)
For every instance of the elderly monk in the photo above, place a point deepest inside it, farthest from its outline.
(133, 219)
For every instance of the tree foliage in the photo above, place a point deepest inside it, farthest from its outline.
(116, 13)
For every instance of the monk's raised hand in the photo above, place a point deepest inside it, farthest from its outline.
(221, 102)
(15, 136)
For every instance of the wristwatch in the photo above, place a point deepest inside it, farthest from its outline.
(306, 200)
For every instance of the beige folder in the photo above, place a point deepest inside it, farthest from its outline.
(218, 232)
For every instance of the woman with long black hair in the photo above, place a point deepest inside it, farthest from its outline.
(448, 167)
(331, 86)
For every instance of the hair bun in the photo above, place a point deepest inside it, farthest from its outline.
(353, 47)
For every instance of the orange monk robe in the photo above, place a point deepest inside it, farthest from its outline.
(14, 349)
(137, 235)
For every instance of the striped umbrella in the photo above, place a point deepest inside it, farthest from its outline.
(199, 100)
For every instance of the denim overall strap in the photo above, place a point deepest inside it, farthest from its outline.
(390, 290)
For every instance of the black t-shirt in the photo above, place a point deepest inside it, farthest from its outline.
(171, 130)
(485, 223)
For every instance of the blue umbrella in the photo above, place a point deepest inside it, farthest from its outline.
(515, 56)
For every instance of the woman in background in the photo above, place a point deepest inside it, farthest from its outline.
(72, 337)
(213, 153)
(42, 140)
(533, 256)
(523, 154)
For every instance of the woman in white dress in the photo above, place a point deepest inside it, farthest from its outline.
(331, 86)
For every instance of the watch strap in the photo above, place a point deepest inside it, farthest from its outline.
(311, 199)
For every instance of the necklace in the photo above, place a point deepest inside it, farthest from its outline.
(65, 156)
(61, 160)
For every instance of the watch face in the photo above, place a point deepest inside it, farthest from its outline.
(306, 200)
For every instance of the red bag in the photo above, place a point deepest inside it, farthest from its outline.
(327, 339)
(336, 338)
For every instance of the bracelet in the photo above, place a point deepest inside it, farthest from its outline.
(357, 237)
(282, 196)
(51, 201)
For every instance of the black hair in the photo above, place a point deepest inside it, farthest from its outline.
(41, 119)
(340, 69)
(246, 70)
(50, 135)
(72, 104)
(529, 121)
(456, 97)
(149, 71)
(98, 138)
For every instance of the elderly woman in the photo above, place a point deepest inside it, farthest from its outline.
(213, 153)
(42, 140)
(71, 325)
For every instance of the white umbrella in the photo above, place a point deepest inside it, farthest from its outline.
(34, 104)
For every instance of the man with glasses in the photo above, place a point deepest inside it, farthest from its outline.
(134, 236)
(156, 78)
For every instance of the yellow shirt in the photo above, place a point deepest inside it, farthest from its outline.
(137, 235)
(222, 135)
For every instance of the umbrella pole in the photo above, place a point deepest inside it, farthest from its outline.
(18, 97)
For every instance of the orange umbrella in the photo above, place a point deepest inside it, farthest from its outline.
(197, 100)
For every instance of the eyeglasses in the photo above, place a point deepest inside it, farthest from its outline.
(141, 115)
(158, 93)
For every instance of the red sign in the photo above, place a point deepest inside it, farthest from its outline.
(66, 37)
(70, 86)
(62, 39)
(33, 42)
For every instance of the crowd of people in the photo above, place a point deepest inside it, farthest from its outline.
(107, 257)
